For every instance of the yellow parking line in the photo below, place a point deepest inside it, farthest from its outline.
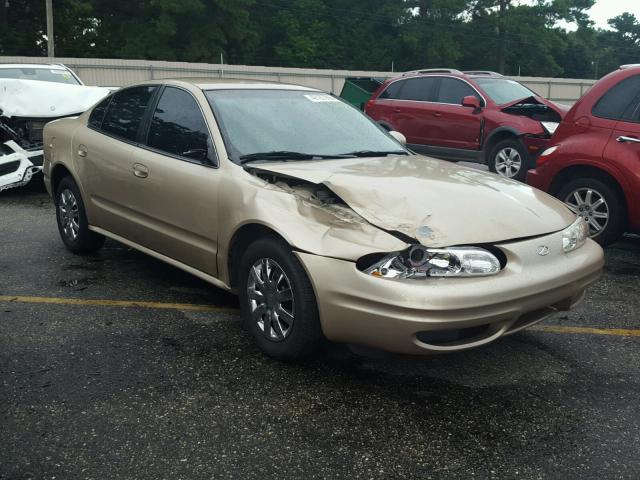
(117, 303)
(620, 332)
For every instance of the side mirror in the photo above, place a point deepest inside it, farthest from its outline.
(471, 101)
(399, 137)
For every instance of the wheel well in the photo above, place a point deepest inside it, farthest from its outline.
(581, 171)
(59, 172)
(494, 139)
(245, 235)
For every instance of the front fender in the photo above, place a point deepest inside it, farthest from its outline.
(304, 222)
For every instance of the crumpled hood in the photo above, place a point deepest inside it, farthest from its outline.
(436, 202)
(38, 99)
(559, 108)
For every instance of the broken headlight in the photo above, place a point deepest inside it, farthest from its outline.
(576, 235)
(422, 262)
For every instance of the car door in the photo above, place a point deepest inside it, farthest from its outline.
(623, 149)
(455, 126)
(414, 109)
(102, 154)
(175, 178)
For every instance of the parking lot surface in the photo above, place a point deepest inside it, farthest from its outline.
(119, 366)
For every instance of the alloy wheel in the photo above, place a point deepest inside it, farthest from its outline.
(270, 299)
(590, 205)
(69, 214)
(508, 162)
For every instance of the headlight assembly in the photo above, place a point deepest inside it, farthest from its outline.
(422, 262)
(574, 236)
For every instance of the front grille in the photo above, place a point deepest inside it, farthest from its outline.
(9, 167)
(35, 131)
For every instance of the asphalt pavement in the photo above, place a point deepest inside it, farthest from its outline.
(118, 366)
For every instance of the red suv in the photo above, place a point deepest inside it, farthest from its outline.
(472, 116)
(593, 164)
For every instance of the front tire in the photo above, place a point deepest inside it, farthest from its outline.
(509, 159)
(72, 219)
(600, 204)
(277, 303)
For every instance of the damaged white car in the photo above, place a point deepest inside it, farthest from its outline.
(30, 97)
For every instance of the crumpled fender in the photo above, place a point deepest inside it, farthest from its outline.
(305, 222)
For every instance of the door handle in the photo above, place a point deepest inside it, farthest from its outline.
(397, 110)
(623, 139)
(140, 170)
(82, 151)
(437, 114)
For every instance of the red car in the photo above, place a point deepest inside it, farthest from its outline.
(593, 164)
(472, 116)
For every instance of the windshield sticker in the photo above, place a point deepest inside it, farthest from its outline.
(59, 72)
(321, 97)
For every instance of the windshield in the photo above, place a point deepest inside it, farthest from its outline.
(503, 90)
(42, 74)
(287, 123)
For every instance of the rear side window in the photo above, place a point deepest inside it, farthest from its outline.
(419, 89)
(95, 119)
(125, 112)
(453, 91)
(178, 127)
(616, 102)
(392, 91)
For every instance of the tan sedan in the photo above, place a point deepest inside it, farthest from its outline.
(325, 225)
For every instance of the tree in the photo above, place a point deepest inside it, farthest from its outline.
(511, 36)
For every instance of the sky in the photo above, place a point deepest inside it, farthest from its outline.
(603, 10)
(606, 9)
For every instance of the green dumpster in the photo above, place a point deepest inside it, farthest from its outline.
(358, 90)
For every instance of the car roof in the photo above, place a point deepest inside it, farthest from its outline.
(51, 66)
(448, 72)
(208, 83)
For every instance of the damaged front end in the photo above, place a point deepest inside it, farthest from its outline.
(535, 109)
(26, 106)
(17, 165)
(548, 115)
(21, 155)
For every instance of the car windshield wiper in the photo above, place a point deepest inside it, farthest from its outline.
(375, 153)
(284, 155)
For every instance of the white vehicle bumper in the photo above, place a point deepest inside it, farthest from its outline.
(17, 167)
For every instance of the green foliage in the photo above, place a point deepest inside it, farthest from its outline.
(504, 35)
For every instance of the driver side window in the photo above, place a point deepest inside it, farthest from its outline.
(178, 127)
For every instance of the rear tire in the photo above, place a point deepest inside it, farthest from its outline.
(277, 303)
(612, 227)
(509, 159)
(72, 219)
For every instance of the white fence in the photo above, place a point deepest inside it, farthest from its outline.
(113, 72)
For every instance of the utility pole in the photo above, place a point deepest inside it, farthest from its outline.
(50, 45)
(502, 34)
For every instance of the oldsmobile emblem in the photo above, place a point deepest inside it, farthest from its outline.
(543, 250)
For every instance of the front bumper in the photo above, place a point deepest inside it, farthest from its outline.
(17, 165)
(450, 314)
